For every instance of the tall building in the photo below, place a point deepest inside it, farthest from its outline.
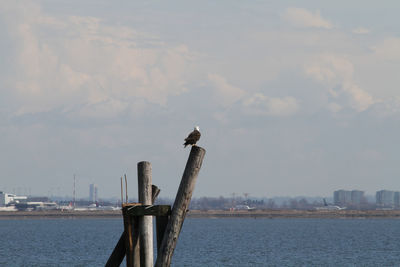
(357, 197)
(397, 199)
(385, 199)
(342, 197)
(347, 197)
(93, 193)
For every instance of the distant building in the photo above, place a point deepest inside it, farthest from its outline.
(385, 199)
(6, 199)
(93, 193)
(342, 197)
(357, 197)
(397, 199)
(348, 198)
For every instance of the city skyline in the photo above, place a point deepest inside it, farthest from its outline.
(291, 98)
(346, 195)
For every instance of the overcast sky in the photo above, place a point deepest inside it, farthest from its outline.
(292, 98)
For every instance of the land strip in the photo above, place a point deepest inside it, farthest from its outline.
(209, 214)
(296, 214)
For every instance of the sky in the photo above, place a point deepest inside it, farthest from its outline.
(292, 98)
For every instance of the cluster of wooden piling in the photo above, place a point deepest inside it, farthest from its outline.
(136, 242)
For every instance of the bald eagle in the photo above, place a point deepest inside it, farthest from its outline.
(193, 137)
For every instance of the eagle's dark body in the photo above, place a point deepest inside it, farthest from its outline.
(192, 138)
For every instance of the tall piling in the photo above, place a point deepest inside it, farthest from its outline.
(145, 222)
(180, 207)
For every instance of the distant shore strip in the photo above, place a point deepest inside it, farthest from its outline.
(210, 214)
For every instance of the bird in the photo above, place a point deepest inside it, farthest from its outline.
(193, 137)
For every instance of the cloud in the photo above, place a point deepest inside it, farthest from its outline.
(388, 49)
(259, 104)
(82, 62)
(334, 107)
(104, 108)
(388, 107)
(361, 30)
(225, 93)
(360, 100)
(336, 74)
(252, 104)
(330, 69)
(301, 17)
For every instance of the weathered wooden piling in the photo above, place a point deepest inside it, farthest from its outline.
(136, 242)
(155, 191)
(145, 222)
(119, 252)
(161, 225)
(132, 245)
(180, 206)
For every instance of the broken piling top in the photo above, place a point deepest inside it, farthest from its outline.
(180, 207)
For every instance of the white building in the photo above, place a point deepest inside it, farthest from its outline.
(6, 199)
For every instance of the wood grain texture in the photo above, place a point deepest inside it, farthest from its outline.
(180, 207)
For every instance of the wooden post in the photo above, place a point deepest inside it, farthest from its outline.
(145, 222)
(118, 254)
(126, 190)
(161, 225)
(155, 191)
(136, 242)
(180, 207)
(131, 233)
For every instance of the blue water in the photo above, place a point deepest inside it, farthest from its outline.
(210, 242)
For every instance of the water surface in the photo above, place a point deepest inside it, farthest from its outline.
(210, 242)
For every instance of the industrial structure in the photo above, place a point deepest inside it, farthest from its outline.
(7, 199)
(25, 203)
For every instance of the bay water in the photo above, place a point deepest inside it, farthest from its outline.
(209, 242)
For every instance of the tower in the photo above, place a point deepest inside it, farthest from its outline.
(93, 197)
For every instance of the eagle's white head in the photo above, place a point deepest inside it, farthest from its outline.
(197, 128)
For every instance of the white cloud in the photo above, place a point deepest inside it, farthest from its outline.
(336, 71)
(360, 100)
(225, 93)
(330, 68)
(301, 17)
(259, 104)
(105, 108)
(388, 49)
(256, 104)
(76, 61)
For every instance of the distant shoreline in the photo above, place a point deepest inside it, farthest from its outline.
(58, 214)
(296, 214)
